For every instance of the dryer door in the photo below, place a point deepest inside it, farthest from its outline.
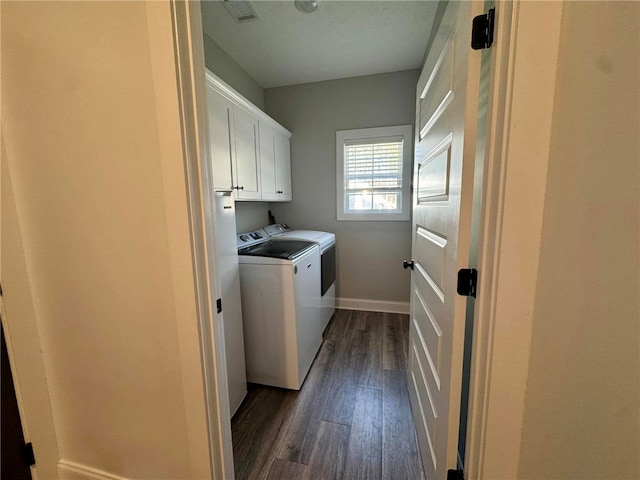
(328, 268)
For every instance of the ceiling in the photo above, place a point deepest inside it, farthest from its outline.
(340, 39)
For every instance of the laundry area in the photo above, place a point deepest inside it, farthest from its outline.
(281, 283)
(290, 259)
(319, 239)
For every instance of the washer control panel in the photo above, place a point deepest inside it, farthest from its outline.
(251, 238)
(277, 228)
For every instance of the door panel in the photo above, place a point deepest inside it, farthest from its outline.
(430, 249)
(246, 161)
(432, 180)
(219, 111)
(283, 166)
(430, 335)
(268, 185)
(438, 90)
(443, 179)
(421, 397)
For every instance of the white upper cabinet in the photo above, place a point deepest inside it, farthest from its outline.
(275, 165)
(246, 168)
(220, 113)
(250, 152)
(282, 146)
(267, 163)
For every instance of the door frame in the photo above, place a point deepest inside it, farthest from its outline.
(523, 74)
(191, 80)
(23, 338)
(518, 137)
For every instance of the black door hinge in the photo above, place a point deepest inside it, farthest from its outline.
(29, 456)
(219, 305)
(455, 475)
(482, 30)
(467, 282)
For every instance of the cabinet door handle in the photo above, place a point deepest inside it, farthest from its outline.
(240, 188)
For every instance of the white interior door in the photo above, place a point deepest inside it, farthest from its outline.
(446, 117)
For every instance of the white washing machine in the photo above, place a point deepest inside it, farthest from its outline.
(327, 243)
(281, 308)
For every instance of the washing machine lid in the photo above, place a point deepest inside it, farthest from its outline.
(283, 249)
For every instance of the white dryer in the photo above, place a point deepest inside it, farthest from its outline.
(327, 243)
(281, 308)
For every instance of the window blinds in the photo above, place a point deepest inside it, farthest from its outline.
(373, 173)
(373, 165)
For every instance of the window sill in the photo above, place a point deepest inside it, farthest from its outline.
(373, 217)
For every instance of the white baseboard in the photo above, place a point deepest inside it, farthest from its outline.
(69, 470)
(372, 305)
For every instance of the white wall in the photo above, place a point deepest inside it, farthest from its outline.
(93, 156)
(370, 254)
(581, 417)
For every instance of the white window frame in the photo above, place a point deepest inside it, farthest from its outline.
(343, 136)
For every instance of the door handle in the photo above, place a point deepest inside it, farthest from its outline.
(406, 264)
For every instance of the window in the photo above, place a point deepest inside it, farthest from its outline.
(373, 173)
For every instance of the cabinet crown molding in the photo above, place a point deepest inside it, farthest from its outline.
(224, 89)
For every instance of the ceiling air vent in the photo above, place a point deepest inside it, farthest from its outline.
(240, 10)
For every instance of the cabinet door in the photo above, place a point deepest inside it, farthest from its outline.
(282, 148)
(220, 112)
(267, 163)
(246, 162)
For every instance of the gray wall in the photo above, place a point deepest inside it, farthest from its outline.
(251, 216)
(220, 63)
(370, 254)
(581, 417)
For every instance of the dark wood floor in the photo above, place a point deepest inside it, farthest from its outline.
(351, 419)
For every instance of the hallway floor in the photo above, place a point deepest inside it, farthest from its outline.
(351, 419)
